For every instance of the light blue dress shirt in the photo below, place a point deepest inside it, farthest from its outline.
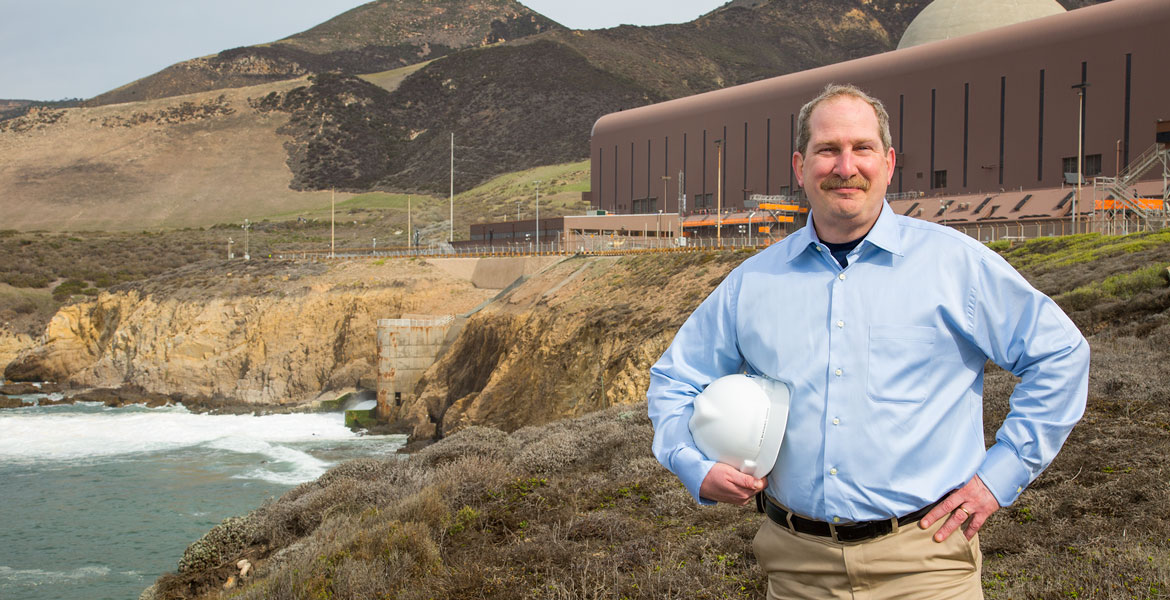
(886, 361)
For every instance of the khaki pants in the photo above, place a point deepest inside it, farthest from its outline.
(905, 564)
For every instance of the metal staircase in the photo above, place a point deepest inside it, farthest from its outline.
(1119, 187)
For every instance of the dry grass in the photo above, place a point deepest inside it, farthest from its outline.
(574, 509)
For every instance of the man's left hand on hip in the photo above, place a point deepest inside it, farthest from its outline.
(967, 507)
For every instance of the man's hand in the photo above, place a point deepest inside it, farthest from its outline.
(725, 484)
(971, 504)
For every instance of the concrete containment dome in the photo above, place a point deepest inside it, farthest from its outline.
(945, 19)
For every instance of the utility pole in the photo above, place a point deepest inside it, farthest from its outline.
(1080, 88)
(538, 216)
(409, 232)
(719, 192)
(451, 229)
(332, 211)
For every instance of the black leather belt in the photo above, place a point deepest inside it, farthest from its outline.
(852, 532)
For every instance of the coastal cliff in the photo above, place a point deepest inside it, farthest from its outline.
(265, 332)
(577, 335)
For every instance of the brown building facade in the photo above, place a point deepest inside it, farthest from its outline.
(984, 114)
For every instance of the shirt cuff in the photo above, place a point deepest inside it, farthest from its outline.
(1003, 474)
(691, 467)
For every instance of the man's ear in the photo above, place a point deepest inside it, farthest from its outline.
(891, 160)
(798, 168)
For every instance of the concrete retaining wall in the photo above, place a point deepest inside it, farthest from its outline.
(493, 273)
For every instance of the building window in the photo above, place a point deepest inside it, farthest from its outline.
(704, 201)
(1091, 167)
(645, 205)
(938, 180)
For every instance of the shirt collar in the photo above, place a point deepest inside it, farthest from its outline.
(885, 234)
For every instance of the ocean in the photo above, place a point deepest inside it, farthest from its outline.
(96, 502)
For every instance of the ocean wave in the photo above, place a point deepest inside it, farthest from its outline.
(33, 577)
(285, 465)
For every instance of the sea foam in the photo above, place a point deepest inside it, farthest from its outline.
(71, 433)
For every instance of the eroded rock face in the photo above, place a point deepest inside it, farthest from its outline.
(573, 339)
(282, 344)
(12, 344)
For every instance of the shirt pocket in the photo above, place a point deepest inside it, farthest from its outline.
(899, 363)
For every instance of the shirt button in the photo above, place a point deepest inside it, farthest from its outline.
(838, 372)
(833, 471)
(836, 519)
(836, 421)
(841, 276)
(840, 324)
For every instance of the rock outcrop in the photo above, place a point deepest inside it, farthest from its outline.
(271, 332)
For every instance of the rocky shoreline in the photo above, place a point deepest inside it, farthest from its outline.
(116, 397)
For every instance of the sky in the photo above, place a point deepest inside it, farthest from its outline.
(56, 49)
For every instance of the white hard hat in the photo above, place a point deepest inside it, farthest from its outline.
(739, 420)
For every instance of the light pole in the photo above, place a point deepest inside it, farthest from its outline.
(246, 226)
(665, 181)
(538, 216)
(750, 215)
(1080, 88)
(451, 230)
(719, 193)
(332, 212)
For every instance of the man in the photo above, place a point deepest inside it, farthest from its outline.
(883, 325)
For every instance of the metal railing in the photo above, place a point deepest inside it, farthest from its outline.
(583, 245)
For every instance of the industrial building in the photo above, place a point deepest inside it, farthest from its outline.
(986, 128)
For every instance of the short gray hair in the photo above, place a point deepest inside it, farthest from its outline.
(834, 90)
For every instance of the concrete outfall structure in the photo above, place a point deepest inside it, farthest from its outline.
(406, 349)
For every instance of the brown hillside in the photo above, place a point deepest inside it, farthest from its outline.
(377, 36)
(174, 162)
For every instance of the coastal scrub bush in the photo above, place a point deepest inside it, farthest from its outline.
(218, 546)
(68, 288)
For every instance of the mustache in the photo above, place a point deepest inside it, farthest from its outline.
(856, 181)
